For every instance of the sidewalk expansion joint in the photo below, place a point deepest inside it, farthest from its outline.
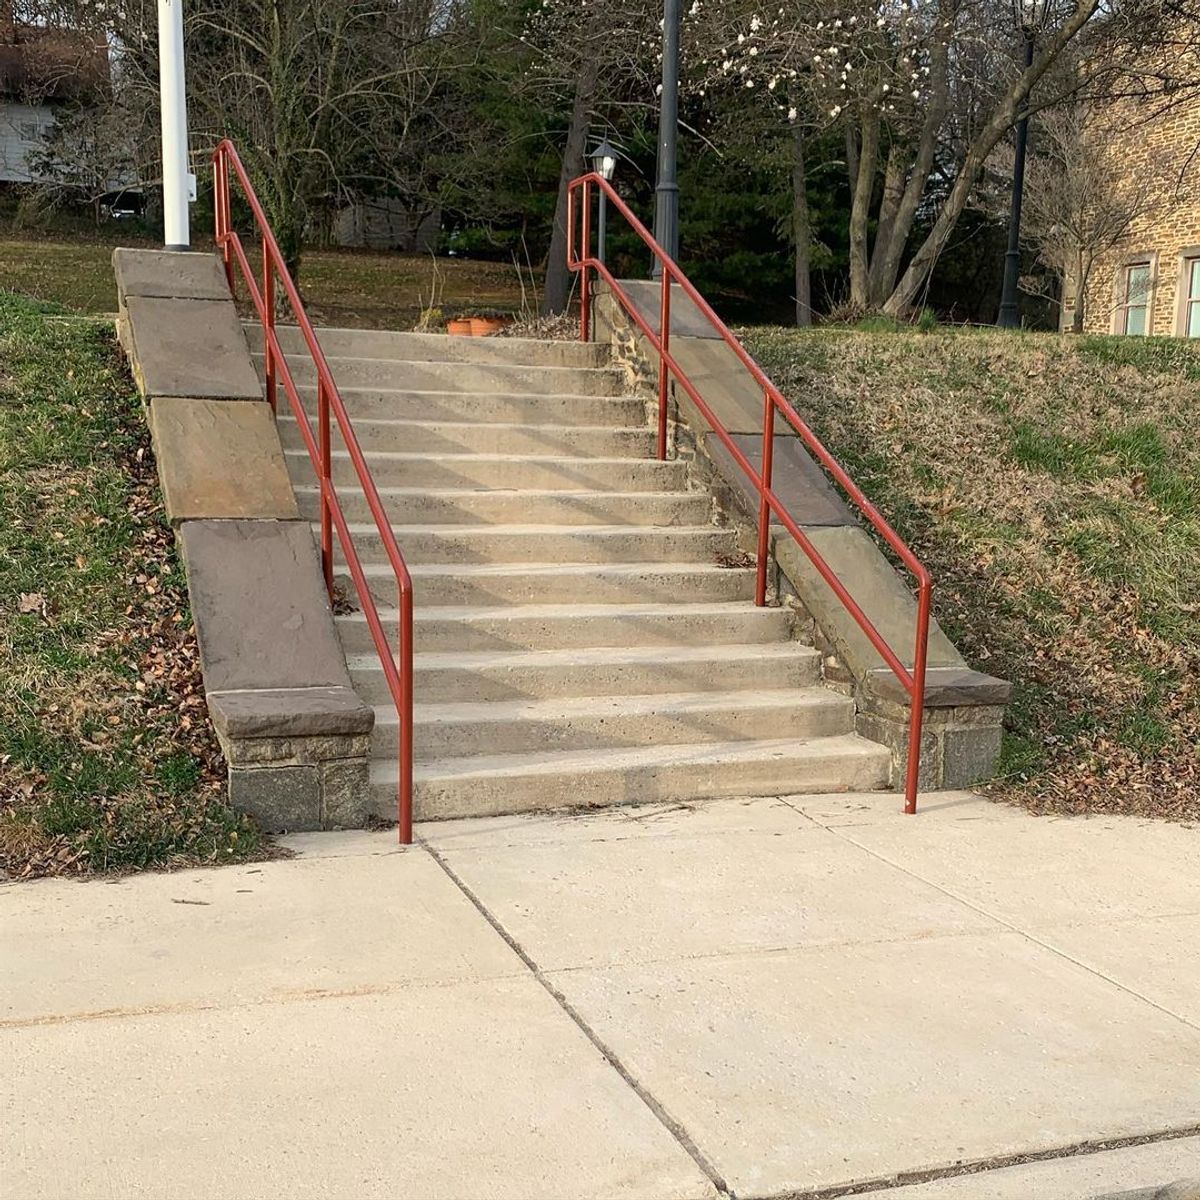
(673, 1126)
(880, 1186)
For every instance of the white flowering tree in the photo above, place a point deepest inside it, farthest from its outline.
(924, 91)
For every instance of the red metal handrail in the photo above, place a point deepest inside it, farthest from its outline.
(579, 204)
(399, 674)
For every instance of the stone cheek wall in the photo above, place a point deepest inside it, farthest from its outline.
(294, 733)
(1159, 148)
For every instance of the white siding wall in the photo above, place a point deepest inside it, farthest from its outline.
(21, 129)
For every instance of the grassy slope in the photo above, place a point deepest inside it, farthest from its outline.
(1053, 487)
(385, 291)
(106, 756)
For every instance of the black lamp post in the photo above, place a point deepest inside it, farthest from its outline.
(604, 163)
(666, 191)
(1028, 16)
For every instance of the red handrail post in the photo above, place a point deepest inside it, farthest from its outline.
(917, 716)
(268, 324)
(764, 507)
(405, 812)
(664, 378)
(585, 285)
(221, 210)
(326, 482)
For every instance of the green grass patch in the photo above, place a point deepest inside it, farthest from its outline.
(106, 758)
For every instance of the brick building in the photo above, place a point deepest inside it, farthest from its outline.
(1150, 282)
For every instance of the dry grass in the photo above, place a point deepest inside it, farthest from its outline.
(1053, 487)
(372, 291)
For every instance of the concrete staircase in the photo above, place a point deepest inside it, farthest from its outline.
(579, 636)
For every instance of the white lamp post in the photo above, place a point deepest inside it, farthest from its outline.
(604, 163)
(179, 185)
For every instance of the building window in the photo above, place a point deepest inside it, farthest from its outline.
(1191, 297)
(1133, 303)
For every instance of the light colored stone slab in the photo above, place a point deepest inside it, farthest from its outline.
(262, 615)
(248, 934)
(638, 897)
(863, 808)
(190, 348)
(1075, 1178)
(823, 1067)
(169, 273)
(217, 459)
(1043, 872)
(1157, 958)
(479, 1089)
(877, 589)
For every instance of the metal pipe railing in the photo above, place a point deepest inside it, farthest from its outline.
(398, 671)
(579, 200)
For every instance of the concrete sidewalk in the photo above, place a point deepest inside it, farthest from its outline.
(755, 998)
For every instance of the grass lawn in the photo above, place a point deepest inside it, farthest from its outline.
(107, 759)
(1052, 485)
(385, 291)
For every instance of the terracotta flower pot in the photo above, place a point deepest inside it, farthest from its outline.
(460, 327)
(485, 326)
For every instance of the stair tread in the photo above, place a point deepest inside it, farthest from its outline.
(558, 568)
(348, 391)
(311, 489)
(479, 660)
(303, 357)
(539, 530)
(493, 427)
(650, 608)
(385, 770)
(535, 708)
(471, 456)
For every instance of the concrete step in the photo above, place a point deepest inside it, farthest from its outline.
(581, 626)
(490, 785)
(437, 347)
(457, 506)
(558, 473)
(556, 583)
(540, 543)
(483, 407)
(545, 726)
(471, 437)
(458, 376)
(494, 675)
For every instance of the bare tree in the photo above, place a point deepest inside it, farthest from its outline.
(1078, 203)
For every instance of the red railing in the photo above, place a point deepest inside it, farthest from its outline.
(398, 671)
(579, 212)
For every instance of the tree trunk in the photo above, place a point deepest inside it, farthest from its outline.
(801, 232)
(860, 210)
(893, 191)
(557, 289)
(1080, 296)
(888, 254)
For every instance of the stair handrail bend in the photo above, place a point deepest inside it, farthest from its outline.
(398, 672)
(579, 222)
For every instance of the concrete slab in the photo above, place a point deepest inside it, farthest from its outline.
(876, 587)
(722, 380)
(686, 319)
(830, 1066)
(290, 712)
(262, 616)
(1154, 957)
(475, 1089)
(634, 897)
(190, 348)
(259, 933)
(795, 478)
(217, 459)
(1150, 1167)
(1047, 873)
(169, 273)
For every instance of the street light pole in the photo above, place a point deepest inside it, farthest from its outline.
(666, 191)
(604, 163)
(1009, 316)
(176, 180)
